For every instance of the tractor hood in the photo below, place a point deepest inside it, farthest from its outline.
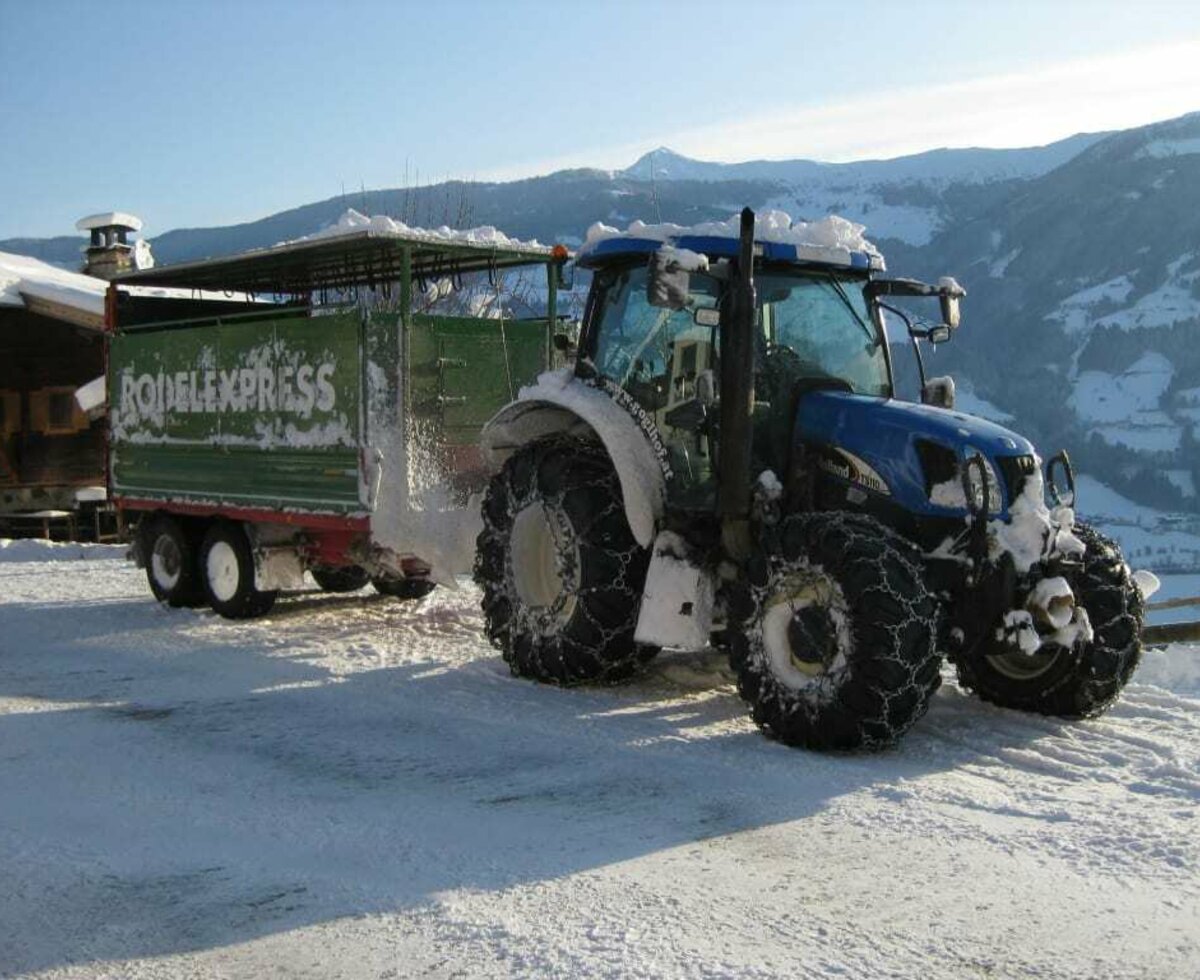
(881, 441)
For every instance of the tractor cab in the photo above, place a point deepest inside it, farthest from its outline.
(653, 329)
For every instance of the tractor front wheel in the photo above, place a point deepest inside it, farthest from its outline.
(831, 633)
(1082, 680)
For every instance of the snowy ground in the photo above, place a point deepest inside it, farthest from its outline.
(355, 787)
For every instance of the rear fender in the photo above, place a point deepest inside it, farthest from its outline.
(561, 403)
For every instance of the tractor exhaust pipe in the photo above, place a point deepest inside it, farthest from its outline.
(737, 398)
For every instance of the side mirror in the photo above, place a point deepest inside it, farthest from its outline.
(668, 284)
(563, 343)
(938, 335)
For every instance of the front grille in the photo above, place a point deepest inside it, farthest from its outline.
(1015, 470)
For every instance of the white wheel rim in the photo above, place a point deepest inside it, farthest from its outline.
(795, 594)
(166, 562)
(224, 573)
(537, 548)
(1025, 666)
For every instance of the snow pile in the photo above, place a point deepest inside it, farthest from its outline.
(684, 259)
(354, 222)
(20, 274)
(1034, 533)
(832, 232)
(36, 549)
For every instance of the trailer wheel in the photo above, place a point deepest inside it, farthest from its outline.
(348, 578)
(400, 587)
(831, 633)
(1080, 682)
(560, 570)
(169, 549)
(227, 566)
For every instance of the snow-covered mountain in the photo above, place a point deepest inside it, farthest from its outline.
(904, 198)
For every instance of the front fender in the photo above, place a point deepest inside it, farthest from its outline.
(559, 402)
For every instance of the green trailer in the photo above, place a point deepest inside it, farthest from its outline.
(330, 420)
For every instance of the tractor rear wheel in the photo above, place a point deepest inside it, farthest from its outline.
(1083, 680)
(561, 572)
(831, 633)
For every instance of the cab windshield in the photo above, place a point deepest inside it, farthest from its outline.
(818, 323)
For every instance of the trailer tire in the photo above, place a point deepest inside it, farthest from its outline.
(561, 572)
(227, 569)
(170, 549)
(1083, 681)
(400, 587)
(832, 633)
(333, 578)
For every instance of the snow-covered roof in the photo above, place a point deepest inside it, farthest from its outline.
(109, 219)
(354, 222)
(356, 250)
(832, 240)
(72, 296)
(25, 281)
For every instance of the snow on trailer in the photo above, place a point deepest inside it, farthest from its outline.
(332, 428)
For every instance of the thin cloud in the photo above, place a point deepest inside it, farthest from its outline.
(1025, 108)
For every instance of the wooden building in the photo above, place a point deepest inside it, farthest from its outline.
(51, 343)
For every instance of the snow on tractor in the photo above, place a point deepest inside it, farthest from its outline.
(727, 463)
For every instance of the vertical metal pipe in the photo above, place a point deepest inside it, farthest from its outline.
(738, 316)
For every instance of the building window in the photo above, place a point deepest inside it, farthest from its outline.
(52, 411)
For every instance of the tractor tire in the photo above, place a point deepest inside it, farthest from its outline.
(561, 572)
(832, 633)
(400, 587)
(170, 552)
(1080, 682)
(348, 578)
(227, 570)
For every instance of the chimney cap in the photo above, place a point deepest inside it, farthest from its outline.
(109, 219)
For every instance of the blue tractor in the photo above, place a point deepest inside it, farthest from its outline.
(726, 464)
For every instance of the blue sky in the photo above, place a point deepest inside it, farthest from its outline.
(194, 114)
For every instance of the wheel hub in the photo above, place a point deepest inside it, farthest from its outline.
(812, 636)
(544, 560)
(166, 561)
(224, 574)
(805, 630)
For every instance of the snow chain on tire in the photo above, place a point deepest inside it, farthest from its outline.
(868, 582)
(585, 632)
(1084, 681)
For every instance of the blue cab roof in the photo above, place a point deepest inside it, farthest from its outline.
(721, 247)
